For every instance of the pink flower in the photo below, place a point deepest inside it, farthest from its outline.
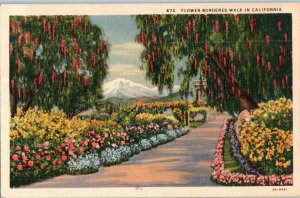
(59, 162)
(94, 144)
(18, 148)
(14, 157)
(63, 144)
(53, 162)
(19, 167)
(38, 157)
(92, 132)
(48, 157)
(81, 150)
(26, 149)
(106, 135)
(46, 144)
(30, 163)
(42, 166)
(122, 142)
(64, 157)
(24, 157)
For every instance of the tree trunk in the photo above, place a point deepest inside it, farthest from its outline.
(245, 99)
(197, 95)
(74, 113)
(13, 104)
(28, 102)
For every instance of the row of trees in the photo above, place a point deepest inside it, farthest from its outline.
(244, 58)
(56, 61)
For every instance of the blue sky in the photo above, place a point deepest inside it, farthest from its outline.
(124, 62)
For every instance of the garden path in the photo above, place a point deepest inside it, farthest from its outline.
(184, 162)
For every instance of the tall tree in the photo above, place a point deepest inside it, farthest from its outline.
(56, 60)
(245, 59)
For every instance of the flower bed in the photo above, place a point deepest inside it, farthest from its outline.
(48, 144)
(267, 138)
(235, 148)
(199, 110)
(225, 177)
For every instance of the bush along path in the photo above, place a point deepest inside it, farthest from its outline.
(183, 162)
(262, 147)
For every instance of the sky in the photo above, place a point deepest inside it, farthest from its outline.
(124, 62)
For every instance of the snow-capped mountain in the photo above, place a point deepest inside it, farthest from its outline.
(123, 88)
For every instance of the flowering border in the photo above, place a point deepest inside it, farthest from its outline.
(225, 177)
(235, 148)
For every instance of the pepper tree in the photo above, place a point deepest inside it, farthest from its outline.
(56, 61)
(245, 59)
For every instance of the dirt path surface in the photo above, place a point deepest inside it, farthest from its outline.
(184, 162)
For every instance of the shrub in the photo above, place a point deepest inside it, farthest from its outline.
(172, 135)
(267, 139)
(125, 152)
(147, 118)
(275, 114)
(199, 110)
(88, 163)
(40, 124)
(154, 141)
(135, 149)
(110, 156)
(145, 145)
(182, 131)
(162, 138)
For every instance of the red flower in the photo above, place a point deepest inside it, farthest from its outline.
(14, 157)
(92, 132)
(38, 157)
(216, 25)
(64, 157)
(26, 149)
(267, 39)
(59, 162)
(48, 157)
(94, 144)
(285, 37)
(226, 26)
(30, 163)
(20, 167)
(81, 150)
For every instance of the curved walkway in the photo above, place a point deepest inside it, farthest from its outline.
(183, 162)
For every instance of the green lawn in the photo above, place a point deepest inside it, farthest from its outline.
(230, 162)
(196, 124)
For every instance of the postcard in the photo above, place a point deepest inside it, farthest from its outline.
(150, 100)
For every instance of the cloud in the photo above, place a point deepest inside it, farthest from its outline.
(125, 70)
(127, 49)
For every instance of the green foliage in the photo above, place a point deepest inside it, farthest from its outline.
(56, 60)
(256, 51)
(229, 162)
(146, 118)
